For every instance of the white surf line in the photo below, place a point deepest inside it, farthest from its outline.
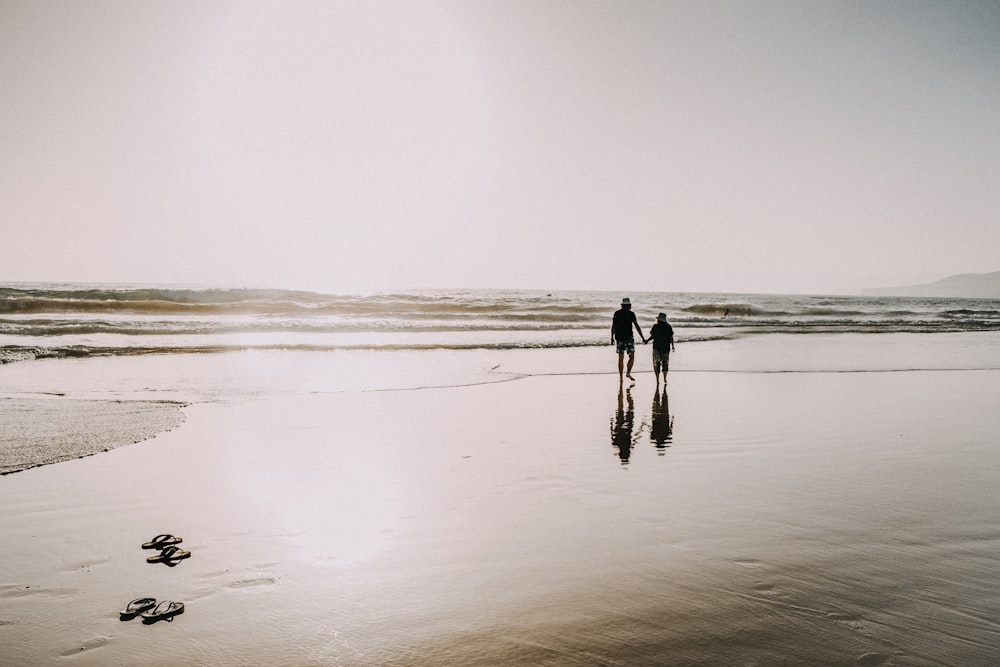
(513, 377)
(440, 386)
(773, 372)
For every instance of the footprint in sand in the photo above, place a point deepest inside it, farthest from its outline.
(854, 623)
(764, 588)
(97, 642)
(15, 591)
(247, 583)
(89, 565)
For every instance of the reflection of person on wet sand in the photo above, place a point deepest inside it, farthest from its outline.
(661, 430)
(622, 424)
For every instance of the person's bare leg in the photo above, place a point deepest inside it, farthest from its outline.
(628, 373)
(621, 366)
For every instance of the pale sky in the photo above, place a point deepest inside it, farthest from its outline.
(805, 147)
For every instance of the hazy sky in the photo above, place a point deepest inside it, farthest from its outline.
(761, 146)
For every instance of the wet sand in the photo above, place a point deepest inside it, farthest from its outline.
(830, 518)
(38, 431)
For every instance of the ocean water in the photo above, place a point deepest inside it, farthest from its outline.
(55, 321)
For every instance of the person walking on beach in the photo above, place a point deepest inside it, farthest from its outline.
(662, 335)
(621, 333)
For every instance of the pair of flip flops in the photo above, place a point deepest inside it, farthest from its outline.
(170, 553)
(151, 611)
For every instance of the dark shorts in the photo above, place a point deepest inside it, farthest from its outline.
(661, 359)
(626, 346)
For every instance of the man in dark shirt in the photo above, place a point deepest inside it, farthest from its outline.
(662, 335)
(621, 333)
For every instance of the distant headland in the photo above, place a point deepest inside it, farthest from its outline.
(965, 285)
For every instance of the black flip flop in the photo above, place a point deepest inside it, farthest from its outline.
(161, 541)
(136, 607)
(165, 611)
(169, 555)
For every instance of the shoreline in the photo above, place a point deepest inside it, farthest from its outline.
(59, 409)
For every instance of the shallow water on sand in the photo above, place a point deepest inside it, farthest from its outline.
(749, 518)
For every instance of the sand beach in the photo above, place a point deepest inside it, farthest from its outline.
(520, 507)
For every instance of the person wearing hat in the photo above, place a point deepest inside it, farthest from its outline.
(662, 335)
(621, 333)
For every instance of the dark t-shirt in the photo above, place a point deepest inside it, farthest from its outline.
(623, 323)
(662, 335)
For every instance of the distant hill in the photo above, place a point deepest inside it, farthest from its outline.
(966, 285)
